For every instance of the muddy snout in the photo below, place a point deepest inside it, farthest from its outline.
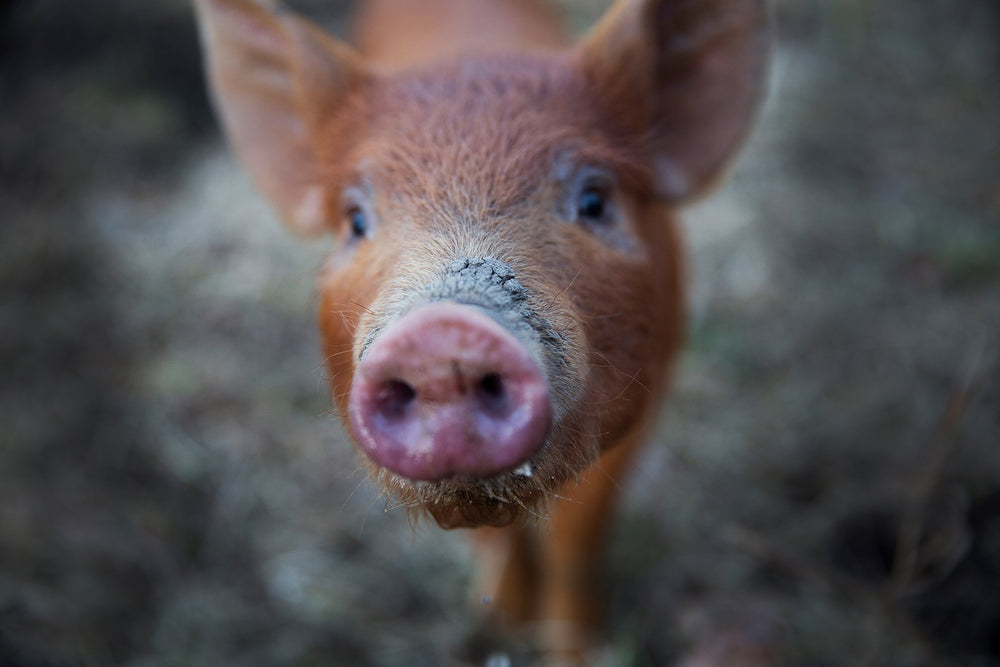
(446, 391)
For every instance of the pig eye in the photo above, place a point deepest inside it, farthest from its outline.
(591, 204)
(596, 204)
(357, 220)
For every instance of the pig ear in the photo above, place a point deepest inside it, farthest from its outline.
(687, 76)
(275, 79)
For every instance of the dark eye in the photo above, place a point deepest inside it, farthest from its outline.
(592, 204)
(358, 221)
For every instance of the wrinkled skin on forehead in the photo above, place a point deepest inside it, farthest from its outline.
(484, 159)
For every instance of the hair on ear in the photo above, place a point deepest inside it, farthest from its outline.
(276, 78)
(686, 76)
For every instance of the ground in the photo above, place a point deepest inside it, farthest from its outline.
(824, 486)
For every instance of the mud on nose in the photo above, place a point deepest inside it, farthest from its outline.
(446, 391)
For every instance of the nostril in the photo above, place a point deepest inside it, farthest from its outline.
(394, 397)
(491, 385)
(492, 392)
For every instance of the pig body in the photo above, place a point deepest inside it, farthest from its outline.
(505, 299)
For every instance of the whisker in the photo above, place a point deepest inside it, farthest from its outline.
(608, 476)
(564, 289)
(633, 378)
(566, 499)
(363, 307)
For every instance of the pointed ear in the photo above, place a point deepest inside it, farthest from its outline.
(276, 79)
(687, 76)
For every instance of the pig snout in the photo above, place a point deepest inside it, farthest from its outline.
(446, 391)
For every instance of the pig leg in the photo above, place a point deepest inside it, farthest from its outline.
(508, 563)
(572, 551)
(550, 572)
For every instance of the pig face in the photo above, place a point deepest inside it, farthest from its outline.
(503, 301)
(501, 185)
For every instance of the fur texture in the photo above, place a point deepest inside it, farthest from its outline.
(478, 160)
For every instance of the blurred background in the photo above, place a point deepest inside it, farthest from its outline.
(824, 488)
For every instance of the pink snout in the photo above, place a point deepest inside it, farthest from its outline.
(446, 391)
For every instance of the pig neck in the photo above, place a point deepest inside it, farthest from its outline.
(405, 34)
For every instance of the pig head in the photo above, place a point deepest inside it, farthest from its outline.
(504, 298)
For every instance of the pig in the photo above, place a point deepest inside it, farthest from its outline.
(504, 301)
